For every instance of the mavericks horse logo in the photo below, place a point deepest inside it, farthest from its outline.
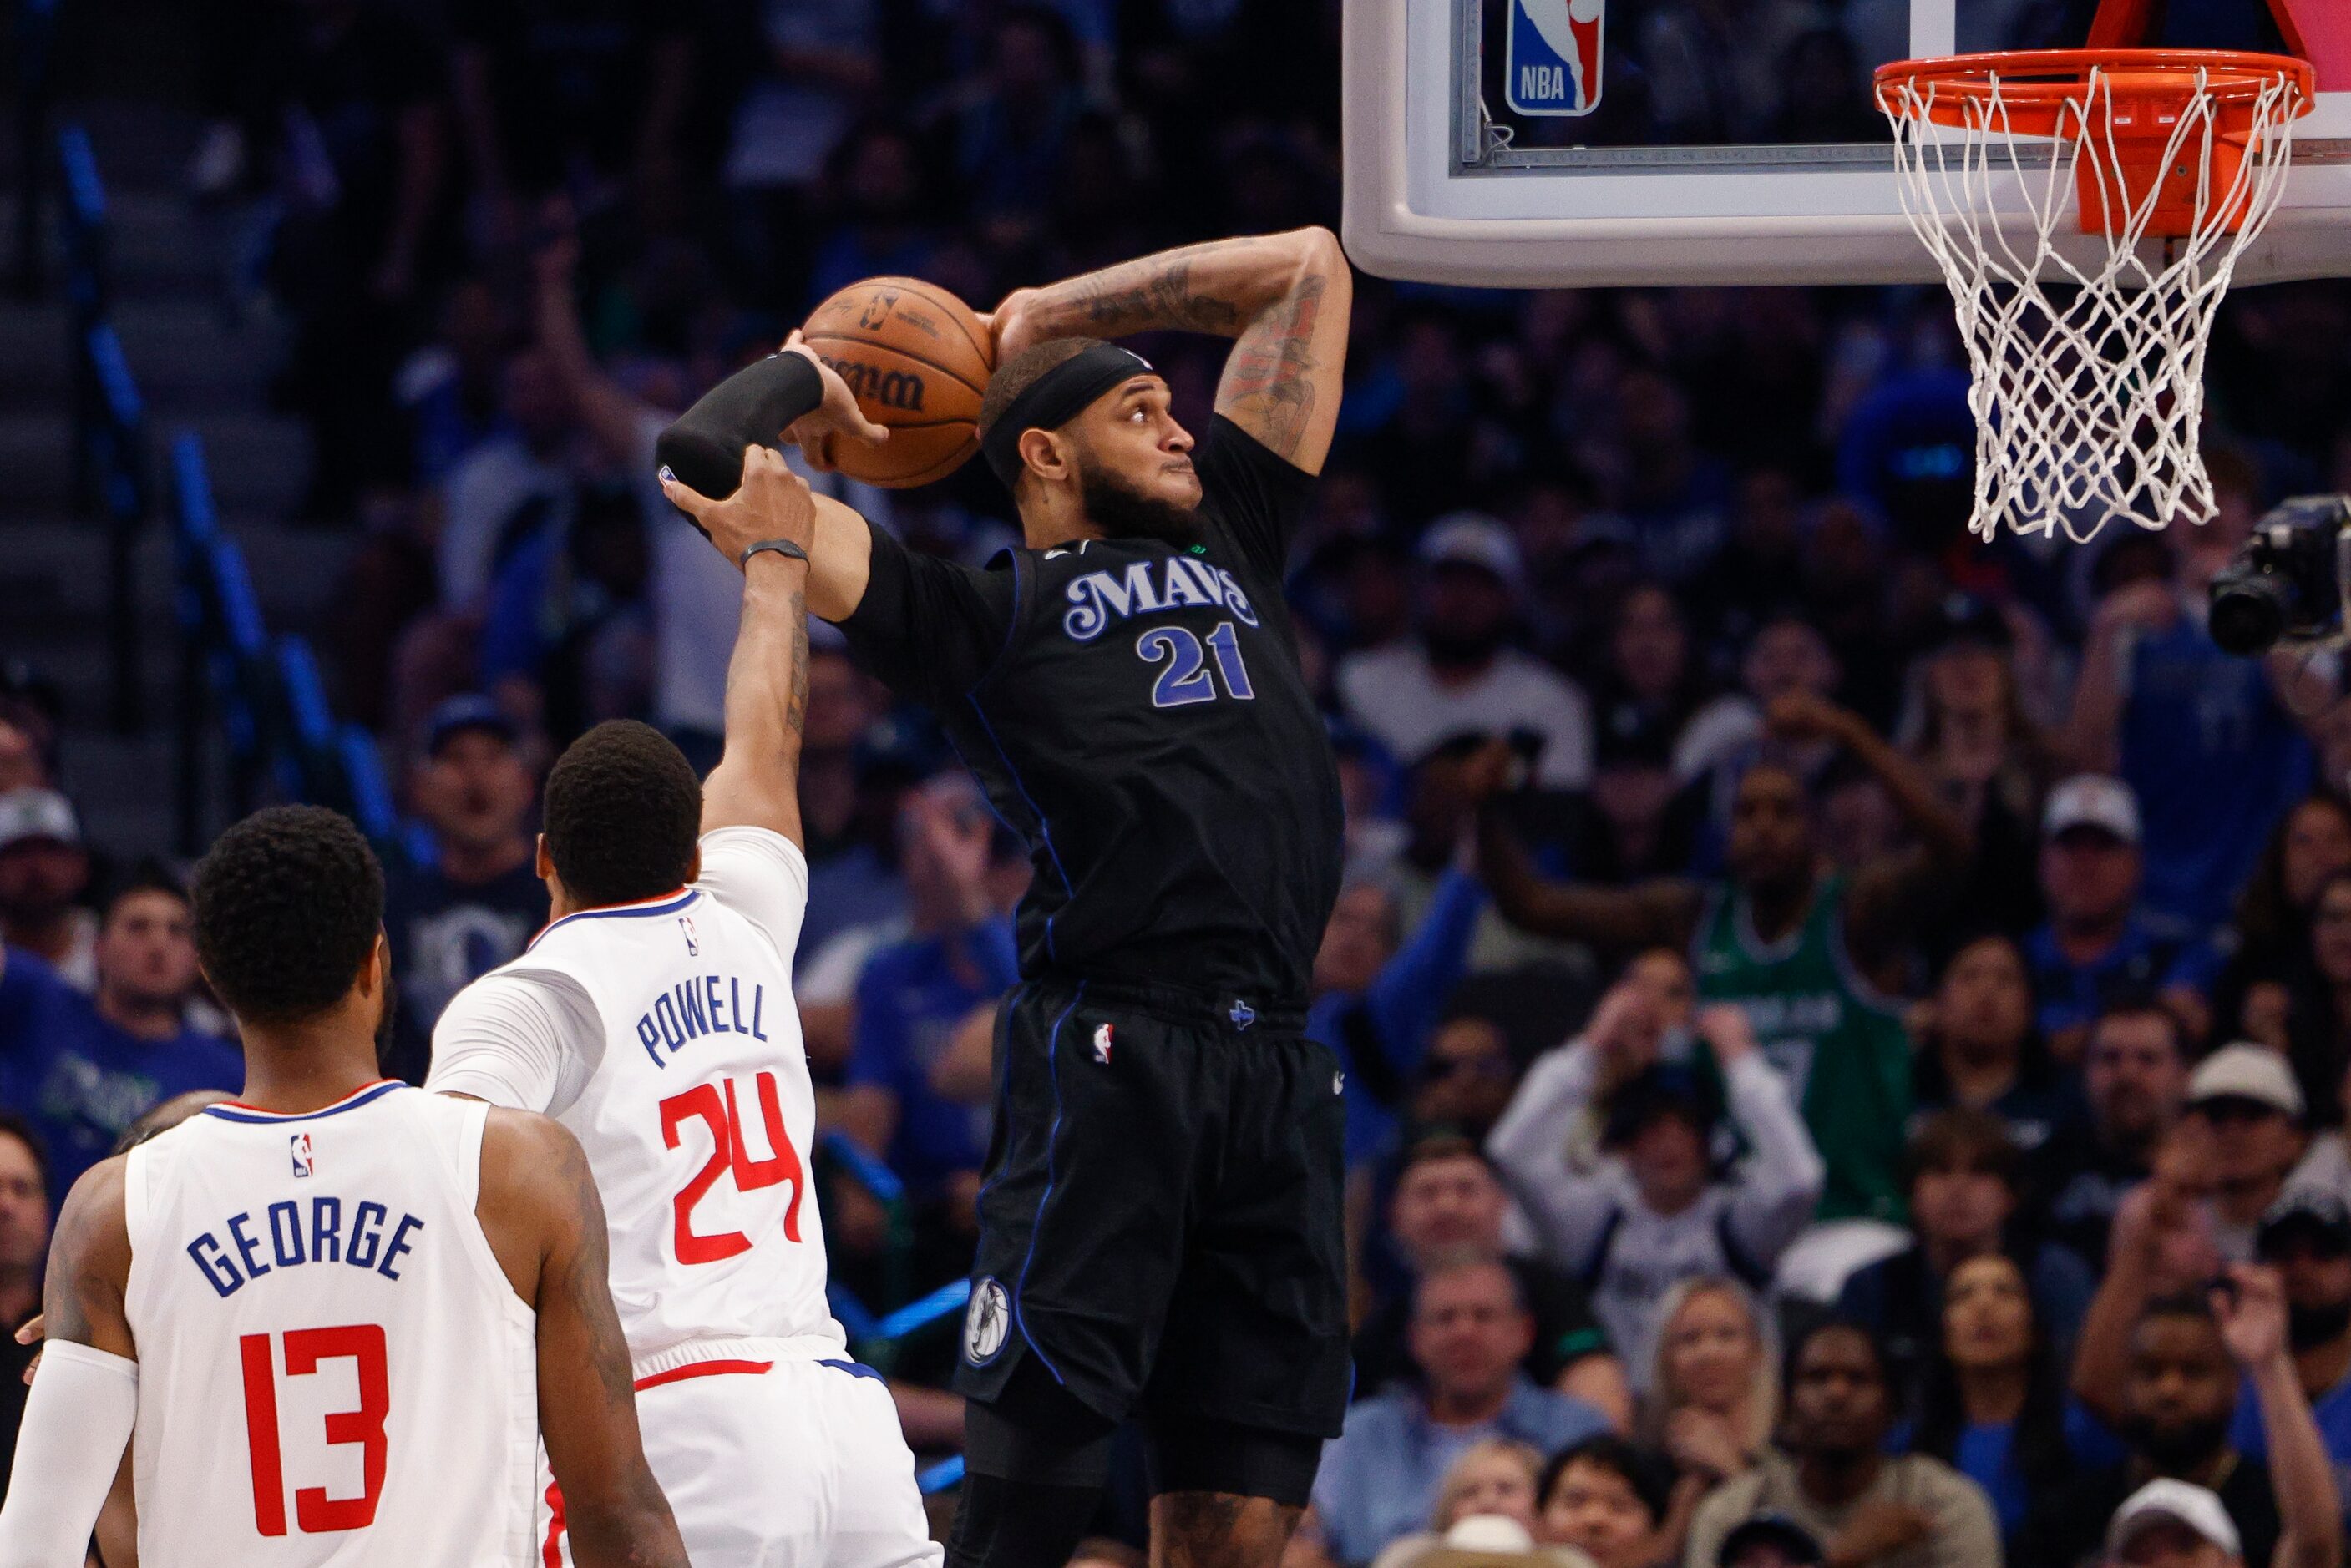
(986, 1322)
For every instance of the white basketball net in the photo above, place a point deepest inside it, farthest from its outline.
(2088, 383)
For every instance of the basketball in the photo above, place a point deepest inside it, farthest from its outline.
(918, 360)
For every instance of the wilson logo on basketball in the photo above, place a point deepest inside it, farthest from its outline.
(888, 389)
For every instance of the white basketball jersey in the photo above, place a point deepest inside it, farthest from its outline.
(332, 1367)
(698, 1118)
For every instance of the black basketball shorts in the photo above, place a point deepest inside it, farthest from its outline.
(1161, 1222)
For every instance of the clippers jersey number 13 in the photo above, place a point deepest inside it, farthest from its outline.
(306, 1349)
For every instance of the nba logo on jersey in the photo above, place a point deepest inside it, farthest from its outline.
(1552, 59)
(686, 927)
(299, 1144)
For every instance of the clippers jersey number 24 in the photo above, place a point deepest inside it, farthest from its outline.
(719, 1107)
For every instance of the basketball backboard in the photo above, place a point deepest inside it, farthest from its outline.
(1554, 144)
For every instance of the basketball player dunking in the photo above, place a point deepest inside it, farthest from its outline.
(336, 1312)
(1161, 1222)
(654, 1018)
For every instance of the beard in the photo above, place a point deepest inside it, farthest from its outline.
(2173, 1449)
(2307, 1328)
(1454, 650)
(1122, 512)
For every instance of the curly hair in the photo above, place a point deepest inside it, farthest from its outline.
(624, 811)
(1024, 371)
(288, 905)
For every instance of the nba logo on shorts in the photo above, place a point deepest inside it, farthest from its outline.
(299, 1146)
(1551, 60)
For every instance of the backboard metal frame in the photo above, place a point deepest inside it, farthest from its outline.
(1435, 191)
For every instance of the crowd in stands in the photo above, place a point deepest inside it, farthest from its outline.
(1845, 1026)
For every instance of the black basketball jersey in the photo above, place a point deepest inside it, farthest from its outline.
(1136, 711)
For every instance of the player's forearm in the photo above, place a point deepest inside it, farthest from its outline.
(77, 1421)
(638, 1532)
(1946, 834)
(1220, 286)
(756, 781)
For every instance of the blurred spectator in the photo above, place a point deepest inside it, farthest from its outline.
(1966, 1187)
(2169, 1386)
(2245, 1096)
(1606, 1498)
(1459, 675)
(2171, 1524)
(83, 1068)
(1786, 657)
(2307, 1016)
(512, 485)
(1994, 1405)
(2310, 844)
(1653, 679)
(1448, 1199)
(1376, 996)
(1656, 1211)
(1976, 736)
(24, 1242)
(560, 97)
(22, 766)
(1677, 498)
(1467, 1082)
(2214, 745)
(2306, 1238)
(1440, 810)
(823, 61)
(1769, 1540)
(480, 901)
(1801, 951)
(1469, 1333)
(957, 954)
(2100, 943)
(44, 873)
(1713, 1398)
(1981, 1052)
(1833, 1477)
(1005, 133)
(1494, 1478)
(362, 163)
(2135, 1079)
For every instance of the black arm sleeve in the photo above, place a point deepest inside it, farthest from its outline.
(750, 408)
(930, 628)
(1259, 497)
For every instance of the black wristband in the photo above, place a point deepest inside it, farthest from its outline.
(784, 547)
(750, 408)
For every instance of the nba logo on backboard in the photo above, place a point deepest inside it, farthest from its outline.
(1551, 62)
(300, 1145)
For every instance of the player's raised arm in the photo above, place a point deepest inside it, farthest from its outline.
(539, 1204)
(766, 528)
(85, 1398)
(1286, 298)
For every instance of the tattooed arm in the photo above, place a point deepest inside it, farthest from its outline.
(756, 781)
(1286, 298)
(539, 1207)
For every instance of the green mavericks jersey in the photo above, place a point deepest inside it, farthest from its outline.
(1841, 1046)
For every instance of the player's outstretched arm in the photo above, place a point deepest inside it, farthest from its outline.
(85, 1398)
(1287, 297)
(757, 781)
(539, 1202)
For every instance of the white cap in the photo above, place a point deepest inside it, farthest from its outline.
(1474, 539)
(1495, 1541)
(2246, 1072)
(2191, 1505)
(36, 812)
(2092, 800)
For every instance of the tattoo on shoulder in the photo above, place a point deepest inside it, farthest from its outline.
(1268, 382)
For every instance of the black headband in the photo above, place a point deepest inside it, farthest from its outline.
(1056, 397)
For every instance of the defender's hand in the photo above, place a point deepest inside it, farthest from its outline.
(773, 503)
(837, 419)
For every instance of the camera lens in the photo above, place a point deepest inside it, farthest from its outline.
(2249, 610)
